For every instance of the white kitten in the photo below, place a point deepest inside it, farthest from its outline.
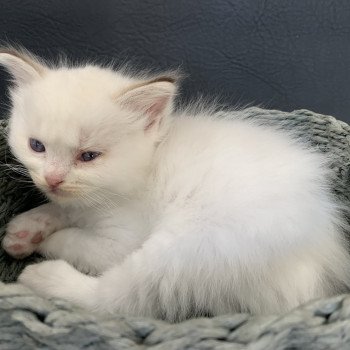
(178, 214)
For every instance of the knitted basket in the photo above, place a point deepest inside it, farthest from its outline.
(30, 322)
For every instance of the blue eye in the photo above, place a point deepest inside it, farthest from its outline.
(88, 156)
(36, 145)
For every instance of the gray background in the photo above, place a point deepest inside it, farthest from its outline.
(284, 54)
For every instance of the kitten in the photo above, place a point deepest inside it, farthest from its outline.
(163, 213)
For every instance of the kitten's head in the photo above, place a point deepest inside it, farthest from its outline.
(87, 132)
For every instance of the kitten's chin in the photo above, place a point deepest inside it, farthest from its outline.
(64, 200)
(67, 199)
(60, 196)
(63, 197)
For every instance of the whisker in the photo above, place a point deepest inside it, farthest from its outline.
(92, 202)
(104, 203)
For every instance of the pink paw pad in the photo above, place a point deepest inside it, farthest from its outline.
(16, 247)
(22, 234)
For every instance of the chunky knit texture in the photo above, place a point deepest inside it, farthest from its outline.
(30, 322)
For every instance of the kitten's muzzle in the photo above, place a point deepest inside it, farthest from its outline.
(53, 181)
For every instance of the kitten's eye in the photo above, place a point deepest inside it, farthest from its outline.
(89, 156)
(36, 145)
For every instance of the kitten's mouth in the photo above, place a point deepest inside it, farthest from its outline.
(51, 191)
(58, 192)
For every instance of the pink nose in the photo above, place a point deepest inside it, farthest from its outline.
(53, 180)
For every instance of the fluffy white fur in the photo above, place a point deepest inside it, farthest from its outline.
(182, 214)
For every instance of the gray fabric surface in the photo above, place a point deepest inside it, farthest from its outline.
(30, 322)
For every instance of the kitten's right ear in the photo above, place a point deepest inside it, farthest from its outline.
(23, 66)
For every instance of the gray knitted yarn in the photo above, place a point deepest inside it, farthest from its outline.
(30, 322)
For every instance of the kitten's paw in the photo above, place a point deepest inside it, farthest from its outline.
(49, 278)
(56, 278)
(25, 232)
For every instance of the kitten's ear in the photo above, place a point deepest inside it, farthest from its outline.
(23, 67)
(153, 99)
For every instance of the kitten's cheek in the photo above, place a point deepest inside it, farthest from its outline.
(36, 182)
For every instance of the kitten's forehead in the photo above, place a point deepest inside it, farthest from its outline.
(74, 103)
(78, 87)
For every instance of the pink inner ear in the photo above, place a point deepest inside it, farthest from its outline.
(155, 110)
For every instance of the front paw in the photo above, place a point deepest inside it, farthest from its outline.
(25, 232)
(58, 279)
(54, 278)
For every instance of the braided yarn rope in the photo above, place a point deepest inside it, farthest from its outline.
(28, 321)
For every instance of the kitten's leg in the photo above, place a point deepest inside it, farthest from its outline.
(88, 251)
(25, 231)
(173, 273)
(156, 280)
(131, 287)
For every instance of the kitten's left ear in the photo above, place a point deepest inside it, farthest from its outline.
(22, 65)
(153, 99)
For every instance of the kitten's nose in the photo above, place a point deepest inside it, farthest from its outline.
(53, 180)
